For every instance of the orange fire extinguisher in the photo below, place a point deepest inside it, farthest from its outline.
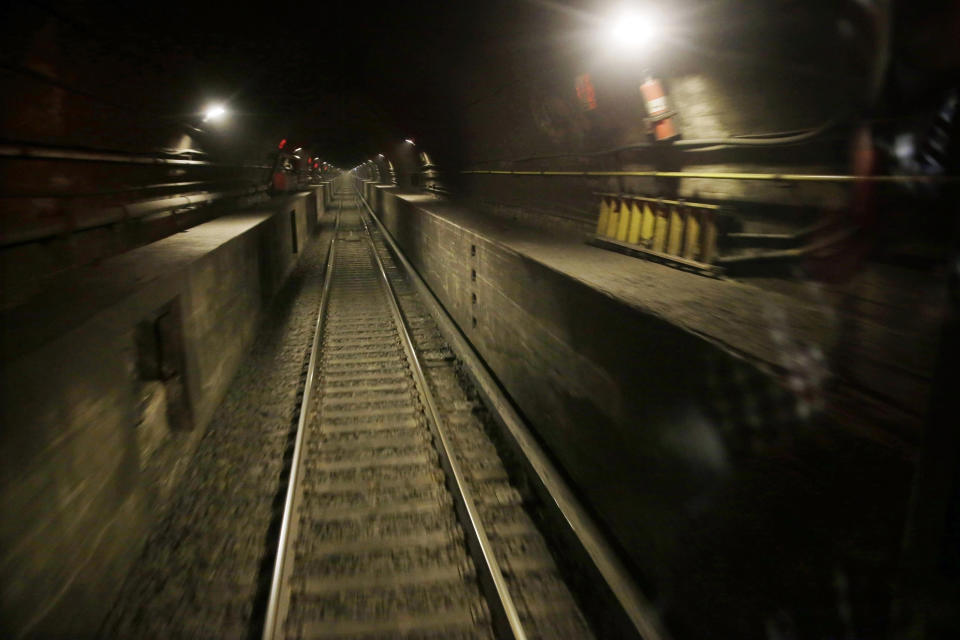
(659, 114)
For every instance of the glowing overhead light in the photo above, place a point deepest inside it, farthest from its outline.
(298, 149)
(409, 141)
(634, 30)
(214, 112)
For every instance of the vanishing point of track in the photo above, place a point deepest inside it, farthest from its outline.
(399, 518)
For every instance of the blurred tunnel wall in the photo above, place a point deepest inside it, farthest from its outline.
(509, 95)
(98, 146)
(818, 76)
(728, 69)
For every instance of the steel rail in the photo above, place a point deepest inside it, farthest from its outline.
(271, 630)
(637, 615)
(506, 620)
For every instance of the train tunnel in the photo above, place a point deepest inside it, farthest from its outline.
(504, 319)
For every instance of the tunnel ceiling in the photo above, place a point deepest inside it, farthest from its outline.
(344, 77)
(352, 79)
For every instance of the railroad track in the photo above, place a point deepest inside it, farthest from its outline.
(399, 519)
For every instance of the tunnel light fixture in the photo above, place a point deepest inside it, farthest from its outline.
(409, 141)
(633, 30)
(214, 113)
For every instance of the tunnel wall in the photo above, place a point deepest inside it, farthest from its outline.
(628, 404)
(712, 100)
(102, 146)
(95, 430)
(728, 70)
(558, 347)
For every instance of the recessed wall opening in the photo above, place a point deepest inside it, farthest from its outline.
(163, 399)
(293, 230)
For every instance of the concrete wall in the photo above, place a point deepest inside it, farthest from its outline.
(643, 416)
(95, 431)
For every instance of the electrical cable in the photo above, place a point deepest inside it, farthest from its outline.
(773, 139)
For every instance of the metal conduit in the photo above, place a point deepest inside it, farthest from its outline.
(199, 185)
(683, 203)
(34, 152)
(769, 177)
(119, 213)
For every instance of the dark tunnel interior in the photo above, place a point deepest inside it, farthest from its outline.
(510, 319)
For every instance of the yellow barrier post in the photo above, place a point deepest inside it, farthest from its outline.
(614, 221)
(646, 228)
(633, 234)
(675, 235)
(660, 227)
(604, 216)
(624, 225)
(691, 243)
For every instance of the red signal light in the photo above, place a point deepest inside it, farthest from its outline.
(586, 93)
(282, 144)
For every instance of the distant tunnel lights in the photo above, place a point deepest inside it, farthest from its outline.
(633, 30)
(214, 113)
